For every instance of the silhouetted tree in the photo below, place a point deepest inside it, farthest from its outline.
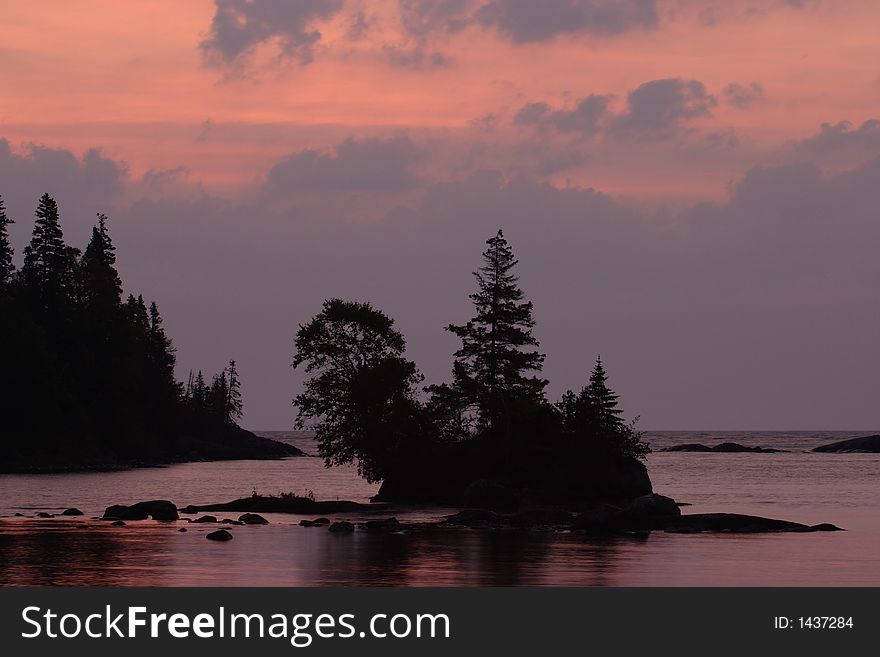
(604, 413)
(491, 369)
(7, 268)
(592, 418)
(360, 397)
(47, 271)
(101, 286)
(233, 405)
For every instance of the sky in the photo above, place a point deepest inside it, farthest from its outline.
(692, 186)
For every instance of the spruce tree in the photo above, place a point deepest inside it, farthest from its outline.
(7, 268)
(601, 402)
(46, 272)
(498, 351)
(101, 286)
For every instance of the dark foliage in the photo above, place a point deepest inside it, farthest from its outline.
(490, 432)
(88, 379)
(361, 396)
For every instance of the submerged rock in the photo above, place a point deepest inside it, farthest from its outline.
(737, 523)
(117, 523)
(43, 514)
(182, 529)
(219, 535)
(203, 519)
(72, 511)
(317, 522)
(477, 518)
(866, 444)
(342, 527)
(252, 519)
(726, 448)
(155, 509)
(386, 525)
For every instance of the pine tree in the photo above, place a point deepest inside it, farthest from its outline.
(604, 413)
(46, 271)
(101, 286)
(7, 268)
(218, 393)
(233, 395)
(497, 346)
(199, 393)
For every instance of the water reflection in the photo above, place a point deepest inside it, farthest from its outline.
(62, 553)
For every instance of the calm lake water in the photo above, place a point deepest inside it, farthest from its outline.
(796, 485)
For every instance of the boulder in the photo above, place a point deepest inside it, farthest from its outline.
(117, 523)
(386, 525)
(477, 518)
(866, 444)
(252, 519)
(206, 519)
(342, 527)
(182, 529)
(43, 514)
(72, 511)
(317, 522)
(155, 509)
(652, 505)
(219, 535)
(18, 515)
(230, 521)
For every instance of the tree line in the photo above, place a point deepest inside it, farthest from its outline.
(88, 375)
(367, 404)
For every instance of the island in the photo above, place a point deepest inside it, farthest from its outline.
(92, 374)
(866, 444)
(723, 448)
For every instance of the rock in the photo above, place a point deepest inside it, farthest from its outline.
(598, 520)
(479, 518)
(317, 522)
(688, 447)
(155, 509)
(43, 514)
(230, 521)
(219, 535)
(253, 519)
(182, 529)
(727, 448)
(866, 444)
(72, 511)
(652, 505)
(18, 515)
(491, 494)
(117, 523)
(342, 527)
(386, 525)
(206, 519)
(282, 504)
(735, 523)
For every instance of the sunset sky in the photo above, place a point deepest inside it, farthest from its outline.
(692, 186)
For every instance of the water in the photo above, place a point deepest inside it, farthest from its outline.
(797, 485)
